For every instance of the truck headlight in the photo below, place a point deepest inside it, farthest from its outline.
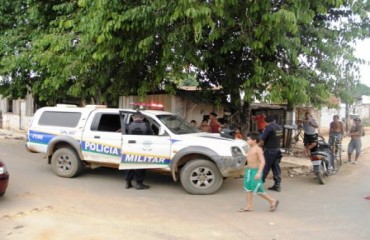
(235, 151)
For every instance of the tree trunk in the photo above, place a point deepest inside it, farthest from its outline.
(245, 117)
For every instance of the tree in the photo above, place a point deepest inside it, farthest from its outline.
(289, 52)
(362, 89)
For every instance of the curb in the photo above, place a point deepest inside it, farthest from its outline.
(15, 135)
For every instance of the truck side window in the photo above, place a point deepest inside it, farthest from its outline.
(108, 122)
(61, 119)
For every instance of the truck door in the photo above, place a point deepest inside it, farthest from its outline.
(101, 139)
(144, 151)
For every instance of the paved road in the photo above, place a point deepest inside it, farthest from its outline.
(40, 205)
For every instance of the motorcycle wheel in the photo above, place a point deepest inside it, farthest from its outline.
(337, 163)
(321, 174)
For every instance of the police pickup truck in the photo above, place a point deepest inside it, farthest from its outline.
(95, 136)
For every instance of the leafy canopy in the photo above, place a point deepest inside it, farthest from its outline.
(292, 51)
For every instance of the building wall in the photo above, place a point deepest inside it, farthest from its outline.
(182, 107)
(326, 117)
(19, 115)
(4, 104)
(14, 121)
(362, 110)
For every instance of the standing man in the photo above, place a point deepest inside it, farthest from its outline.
(214, 123)
(336, 130)
(355, 144)
(310, 135)
(137, 127)
(271, 142)
(261, 122)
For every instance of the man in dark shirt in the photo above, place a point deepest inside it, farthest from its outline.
(271, 142)
(137, 127)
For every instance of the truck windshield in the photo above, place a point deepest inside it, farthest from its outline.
(176, 124)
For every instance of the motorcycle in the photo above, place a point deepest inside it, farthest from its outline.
(322, 159)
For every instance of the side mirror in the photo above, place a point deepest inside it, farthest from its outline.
(227, 133)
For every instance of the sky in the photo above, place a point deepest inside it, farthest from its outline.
(363, 51)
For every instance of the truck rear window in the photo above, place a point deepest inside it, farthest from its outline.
(60, 119)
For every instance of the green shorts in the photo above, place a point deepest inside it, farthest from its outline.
(250, 184)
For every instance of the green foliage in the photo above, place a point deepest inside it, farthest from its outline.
(362, 89)
(293, 52)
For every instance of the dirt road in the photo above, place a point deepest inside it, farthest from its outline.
(40, 205)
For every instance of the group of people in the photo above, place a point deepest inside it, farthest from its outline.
(336, 130)
(264, 154)
(214, 126)
(310, 125)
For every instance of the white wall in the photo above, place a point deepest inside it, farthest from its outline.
(3, 104)
(326, 117)
(13, 121)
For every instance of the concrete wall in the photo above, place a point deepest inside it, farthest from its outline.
(4, 105)
(363, 110)
(14, 121)
(326, 117)
(20, 115)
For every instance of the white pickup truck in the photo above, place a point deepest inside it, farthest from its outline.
(95, 136)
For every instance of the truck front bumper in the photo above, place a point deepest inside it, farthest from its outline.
(231, 166)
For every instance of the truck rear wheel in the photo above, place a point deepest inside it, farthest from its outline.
(66, 163)
(201, 177)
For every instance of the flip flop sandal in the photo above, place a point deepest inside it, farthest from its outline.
(273, 209)
(244, 210)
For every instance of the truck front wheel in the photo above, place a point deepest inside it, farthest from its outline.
(66, 163)
(201, 177)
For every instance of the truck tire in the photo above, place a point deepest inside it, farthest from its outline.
(201, 177)
(66, 163)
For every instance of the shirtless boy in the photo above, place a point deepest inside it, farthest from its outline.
(253, 174)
